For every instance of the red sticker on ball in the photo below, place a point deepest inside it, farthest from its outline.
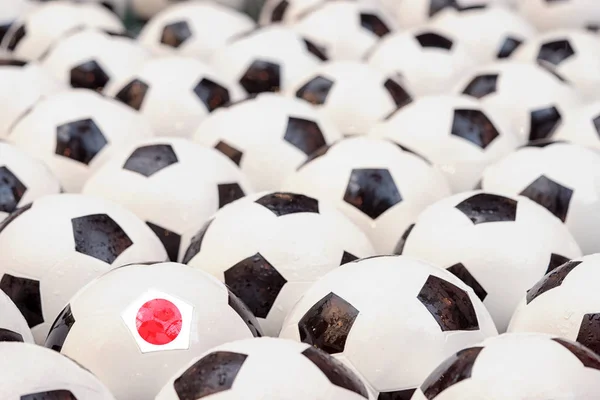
(158, 321)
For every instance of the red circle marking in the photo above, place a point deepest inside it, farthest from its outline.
(158, 321)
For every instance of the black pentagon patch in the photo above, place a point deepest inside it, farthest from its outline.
(60, 329)
(556, 260)
(592, 28)
(552, 280)
(402, 242)
(3, 29)
(327, 324)
(282, 203)
(212, 94)
(481, 86)
(150, 159)
(9, 62)
(374, 24)
(7, 335)
(448, 304)
(508, 47)
(231, 152)
(588, 358)
(555, 52)
(347, 257)
(14, 216)
(133, 94)
(25, 293)
(431, 39)
(16, 38)
(337, 373)
(79, 140)
(89, 75)
(372, 191)
(452, 371)
(315, 50)
(261, 76)
(196, 243)
(552, 195)
(399, 95)
(464, 275)
(229, 192)
(316, 90)
(169, 239)
(100, 237)
(589, 332)
(405, 394)
(279, 11)
(175, 34)
(245, 314)
(12, 190)
(544, 122)
(61, 394)
(435, 6)
(256, 282)
(304, 134)
(486, 207)
(473, 126)
(211, 374)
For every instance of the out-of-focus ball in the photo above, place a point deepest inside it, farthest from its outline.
(549, 15)
(266, 369)
(23, 179)
(562, 177)
(270, 247)
(368, 180)
(500, 246)
(581, 125)
(490, 32)
(285, 11)
(54, 246)
(171, 184)
(91, 59)
(174, 94)
(268, 136)
(13, 327)
(515, 366)
(11, 10)
(575, 55)
(76, 131)
(359, 25)
(33, 372)
(459, 135)
(193, 28)
(146, 9)
(532, 96)
(371, 313)
(149, 320)
(267, 60)
(355, 96)
(429, 61)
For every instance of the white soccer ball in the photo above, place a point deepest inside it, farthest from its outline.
(13, 327)
(266, 369)
(373, 312)
(271, 246)
(147, 321)
(269, 136)
(171, 184)
(498, 245)
(457, 134)
(368, 180)
(286, 11)
(354, 95)
(581, 125)
(75, 238)
(76, 131)
(549, 15)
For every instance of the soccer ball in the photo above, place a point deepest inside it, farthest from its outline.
(515, 366)
(358, 26)
(549, 15)
(23, 179)
(581, 125)
(268, 136)
(429, 61)
(498, 245)
(193, 28)
(35, 32)
(13, 327)
(174, 94)
(373, 312)
(354, 95)
(75, 238)
(574, 54)
(266, 369)
(459, 135)
(32, 372)
(74, 132)
(562, 177)
(270, 247)
(267, 60)
(171, 184)
(532, 96)
(367, 180)
(149, 320)
(286, 11)
(90, 59)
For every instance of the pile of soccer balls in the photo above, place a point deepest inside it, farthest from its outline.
(346, 200)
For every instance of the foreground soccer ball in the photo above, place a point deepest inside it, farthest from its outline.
(549, 15)
(373, 312)
(13, 327)
(266, 369)
(149, 320)
(581, 125)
